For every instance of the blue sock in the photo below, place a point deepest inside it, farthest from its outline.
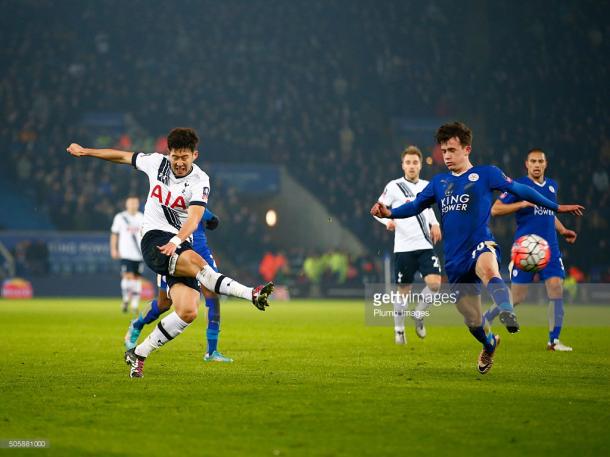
(150, 316)
(499, 293)
(491, 314)
(555, 318)
(487, 340)
(213, 329)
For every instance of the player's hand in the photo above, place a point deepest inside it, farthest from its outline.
(569, 235)
(380, 210)
(576, 210)
(212, 223)
(76, 150)
(168, 249)
(391, 226)
(435, 232)
(114, 254)
(526, 204)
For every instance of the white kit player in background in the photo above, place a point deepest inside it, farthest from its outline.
(414, 240)
(125, 245)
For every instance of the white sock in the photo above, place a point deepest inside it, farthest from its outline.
(126, 289)
(222, 284)
(167, 329)
(136, 290)
(426, 300)
(399, 315)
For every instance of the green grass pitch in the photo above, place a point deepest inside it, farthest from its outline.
(309, 378)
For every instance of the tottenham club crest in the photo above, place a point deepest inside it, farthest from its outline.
(473, 177)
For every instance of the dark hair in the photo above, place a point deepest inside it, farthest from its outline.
(454, 129)
(534, 150)
(182, 138)
(412, 150)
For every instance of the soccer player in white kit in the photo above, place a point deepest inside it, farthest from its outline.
(125, 246)
(176, 201)
(414, 240)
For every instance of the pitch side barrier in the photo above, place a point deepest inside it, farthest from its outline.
(60, 264)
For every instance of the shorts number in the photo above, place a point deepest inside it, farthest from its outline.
(436, 262)
(485, 244)
(561, 263)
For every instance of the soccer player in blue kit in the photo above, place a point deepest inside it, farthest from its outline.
(161, 304)
(542, 222)
(464, 197)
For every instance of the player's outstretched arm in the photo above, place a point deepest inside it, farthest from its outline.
(111, 155)
(402, 212)
(576, 210)
(502, 209)
(531, 195)
(569, 235)
(423, 200)
(195, 213)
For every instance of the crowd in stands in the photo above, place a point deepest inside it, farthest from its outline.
(311, 85)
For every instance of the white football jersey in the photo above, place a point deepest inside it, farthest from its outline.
(128, 228)
(412, 233)
(169, 197)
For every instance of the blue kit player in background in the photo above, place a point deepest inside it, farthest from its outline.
(464, 197)
(163, 302)
(542, 222)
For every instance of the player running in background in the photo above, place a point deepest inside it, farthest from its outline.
(125, 245)
(544, 223)
(414, 239)
(161, 304)
(178, 194)
(464, 197)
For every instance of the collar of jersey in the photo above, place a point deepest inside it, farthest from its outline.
(408, 180)
(539, 184)
(458, 175)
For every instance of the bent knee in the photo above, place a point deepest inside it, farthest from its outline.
(188, 315)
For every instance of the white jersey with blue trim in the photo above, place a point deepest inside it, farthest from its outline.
(412, 233)
(169, 196)
(128, 227)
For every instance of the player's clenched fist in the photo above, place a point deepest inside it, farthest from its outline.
(380, 210)
(76, 150)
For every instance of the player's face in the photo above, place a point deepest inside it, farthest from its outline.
(181, 161)
(455, 155)
(132, 205)
(411, 165)
(536, 165)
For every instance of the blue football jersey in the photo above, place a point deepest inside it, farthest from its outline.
(200, 240)
(536, 219)
(465, 204)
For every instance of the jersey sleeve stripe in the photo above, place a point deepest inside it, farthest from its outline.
(134, 159)
(197, 203)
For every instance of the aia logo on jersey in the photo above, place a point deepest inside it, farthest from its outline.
(178, 202)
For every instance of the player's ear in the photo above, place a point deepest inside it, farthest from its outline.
(468, 149)
(195, 154)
